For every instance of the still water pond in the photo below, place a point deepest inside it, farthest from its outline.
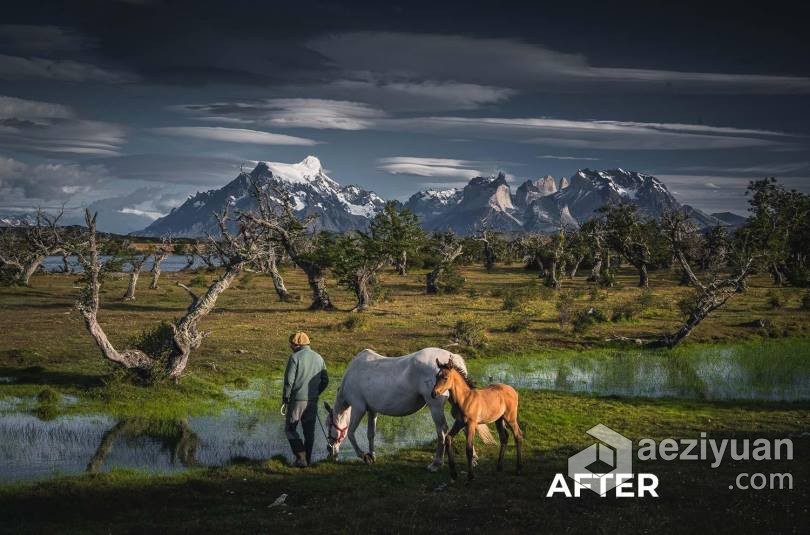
(33, 447)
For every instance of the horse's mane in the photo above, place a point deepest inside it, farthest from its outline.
(452, 365)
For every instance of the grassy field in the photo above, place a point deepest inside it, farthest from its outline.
(398, 495)
(44, 340)
(44, 347)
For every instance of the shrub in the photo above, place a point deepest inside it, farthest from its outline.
(469, 332)
(647, 298)
(381, 294)
(518, 323)
(625, 312)
(565, 309)
(584, 319)
(596, 294)
(451, 281)
(775, 300)
(607, 279)
(354, 323)
(514, 301)
(156, 341)
(49, 396)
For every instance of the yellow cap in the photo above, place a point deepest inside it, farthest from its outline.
(299, 339)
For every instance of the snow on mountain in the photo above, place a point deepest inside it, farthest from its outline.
(313, 192)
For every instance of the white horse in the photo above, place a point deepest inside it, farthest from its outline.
(392, 386)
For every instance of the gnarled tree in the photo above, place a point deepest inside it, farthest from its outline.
(446, 248)
(630, 236)
(166, 350)
(160, 254)
(22, 250)
(304, 248)
(399, 230)
(710, 294)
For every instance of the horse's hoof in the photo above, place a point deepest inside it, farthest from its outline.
(433, 467)
(470, 476)
(368, 458)
(475, 461)
(499, 469)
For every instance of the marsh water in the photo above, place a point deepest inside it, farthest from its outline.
(35, 445)
(173, 262)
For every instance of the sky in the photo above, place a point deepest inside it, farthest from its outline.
(130, 106)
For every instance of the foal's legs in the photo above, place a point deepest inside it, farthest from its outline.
(370, 433)
(513, 425)
(448, 447)
(470, 440)
(504, 436)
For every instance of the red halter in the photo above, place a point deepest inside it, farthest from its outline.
(341, 431)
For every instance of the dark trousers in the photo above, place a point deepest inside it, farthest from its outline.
(303, 412)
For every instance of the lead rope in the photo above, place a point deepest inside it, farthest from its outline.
(318, 416)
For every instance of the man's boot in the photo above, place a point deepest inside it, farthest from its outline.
(300, 453)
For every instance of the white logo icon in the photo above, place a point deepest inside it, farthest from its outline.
(614, 450)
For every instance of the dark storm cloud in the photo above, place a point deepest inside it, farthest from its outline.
(52, 129)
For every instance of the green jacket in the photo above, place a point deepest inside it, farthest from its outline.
(305, 377)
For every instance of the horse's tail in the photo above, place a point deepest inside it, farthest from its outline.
(485, 434)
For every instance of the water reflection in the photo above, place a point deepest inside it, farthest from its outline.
(703, 373)
(34, 448)
(57, 264)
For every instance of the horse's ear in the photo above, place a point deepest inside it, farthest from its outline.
(327, 407)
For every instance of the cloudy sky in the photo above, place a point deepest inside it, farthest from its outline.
(130, 106)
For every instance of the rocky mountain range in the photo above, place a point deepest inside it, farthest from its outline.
(535, 205)
(340, 208)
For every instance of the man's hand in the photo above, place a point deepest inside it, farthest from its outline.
(283, 409)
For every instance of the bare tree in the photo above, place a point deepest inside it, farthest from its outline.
(205, 253)
(22, 250)
(136, 262)
(158, 256)
(285, 228)
(447, 249)
(489, 250)
(167, 352)
(710, 294)
(269, 265)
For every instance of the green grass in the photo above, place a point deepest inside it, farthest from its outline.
(398, 494)
(45, 348)
(44, 342)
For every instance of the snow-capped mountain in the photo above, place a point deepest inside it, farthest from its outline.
(18, 220)
(539, 205)
(484, 201)
(339, 209)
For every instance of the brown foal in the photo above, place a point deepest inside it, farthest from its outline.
(472, 407)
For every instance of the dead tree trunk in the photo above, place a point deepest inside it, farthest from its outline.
(575, 268)
(401, 263)
(183, 336)
(643, 277)
(158, 258)
(596, 270)
(269, 265)
(137, 265)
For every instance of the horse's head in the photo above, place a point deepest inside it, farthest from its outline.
(337, 425)
(443, 382)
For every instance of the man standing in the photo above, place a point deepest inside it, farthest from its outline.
(304, 380)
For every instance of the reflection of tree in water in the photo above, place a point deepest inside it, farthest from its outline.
(562, 381)
(175, 436)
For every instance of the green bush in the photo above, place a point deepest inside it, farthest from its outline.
(584, 319)
(565, 309)
(354, 323)
(775, 300)
(646, 299)
(49, 396)
(514, 301)
(157, 342)
(451, 281)
(625, 312)
(519, 323)
(607, 279)
(469, 332)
